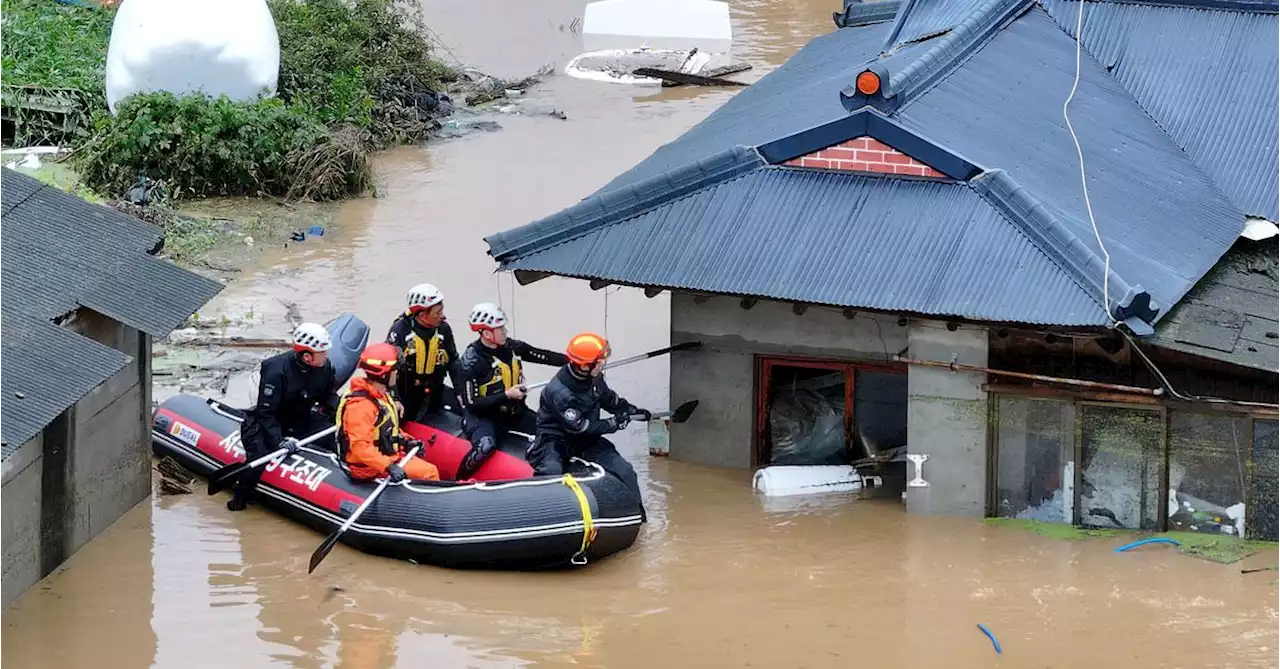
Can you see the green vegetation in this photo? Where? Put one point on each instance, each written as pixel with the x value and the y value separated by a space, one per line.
pixel 1063 531
pixel 1215 547
pixel 54 59
pixel 366 64
pixel 355 75
pixel 200 147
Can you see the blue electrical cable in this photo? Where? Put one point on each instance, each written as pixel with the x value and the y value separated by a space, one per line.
pixel 990 636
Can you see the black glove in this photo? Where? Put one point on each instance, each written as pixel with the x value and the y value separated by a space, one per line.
pixel 290 445
pixel 643 414
pixel 408 442
pixel 395 473
pixel 622 420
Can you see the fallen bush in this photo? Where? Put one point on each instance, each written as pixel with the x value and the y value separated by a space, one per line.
pixel 197 146
pixel 363 63
pixel 355 75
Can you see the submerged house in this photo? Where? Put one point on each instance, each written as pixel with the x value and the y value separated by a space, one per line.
pixel 83 298
pixel 886 247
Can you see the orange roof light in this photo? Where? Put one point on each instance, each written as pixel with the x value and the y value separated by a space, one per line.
pixel 868 82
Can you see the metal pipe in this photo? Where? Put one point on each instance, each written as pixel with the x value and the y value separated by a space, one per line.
pixel 955 366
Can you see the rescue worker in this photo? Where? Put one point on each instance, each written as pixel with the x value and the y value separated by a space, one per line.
pixel 493 390
pixel 427 353
pixel 292 385
pixel 370 442
pixel 569 422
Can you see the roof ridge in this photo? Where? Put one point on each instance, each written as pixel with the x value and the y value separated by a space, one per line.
pixel 1260 6
pixel 948 52
pixel 624 202
pixel 859 13
pixel 1068 251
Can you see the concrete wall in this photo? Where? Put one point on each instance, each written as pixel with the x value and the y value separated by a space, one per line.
pixel 85 470
pixel 947 420
pixel 722 374
pixel 20 522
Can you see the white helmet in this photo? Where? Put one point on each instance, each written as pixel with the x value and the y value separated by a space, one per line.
pixel 311 337
pixel 487 316
pixel 424 296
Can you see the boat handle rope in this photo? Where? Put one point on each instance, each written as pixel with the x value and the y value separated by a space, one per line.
pixel 588 524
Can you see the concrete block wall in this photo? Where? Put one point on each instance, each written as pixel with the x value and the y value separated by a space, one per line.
pixel 84 471
pixel 722 374
pixel 20 497
pixel 947 415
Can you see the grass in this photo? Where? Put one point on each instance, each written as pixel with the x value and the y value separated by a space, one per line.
pixel 1062 531
pixel 1215 547
pixel 51 45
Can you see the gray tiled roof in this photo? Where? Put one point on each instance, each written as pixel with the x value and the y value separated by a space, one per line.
pixel 61 253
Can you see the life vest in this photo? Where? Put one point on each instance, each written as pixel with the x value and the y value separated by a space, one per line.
pixel 388 424
pixel 504 376
pixel 426 354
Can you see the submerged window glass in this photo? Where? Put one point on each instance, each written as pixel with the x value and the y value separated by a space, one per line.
pixel 1035 441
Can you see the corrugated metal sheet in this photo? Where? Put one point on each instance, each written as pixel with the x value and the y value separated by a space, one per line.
pixel 1210 78
pixel 61 252
pixel 803 93
pixel 933 17
pixel 837 239
pixel 45 370
pixel 1164 221
pixel 859 13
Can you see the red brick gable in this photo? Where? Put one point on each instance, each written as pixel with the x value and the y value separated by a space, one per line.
pixel 865 154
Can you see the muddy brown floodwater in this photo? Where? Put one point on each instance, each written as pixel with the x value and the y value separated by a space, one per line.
pixel 717 579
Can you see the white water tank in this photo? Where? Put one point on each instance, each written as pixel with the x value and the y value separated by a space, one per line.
pixel 220 47
pixel 777 480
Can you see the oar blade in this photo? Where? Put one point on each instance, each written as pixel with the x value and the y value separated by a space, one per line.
pixel 318 556
pixel 682 412
pixel 220 479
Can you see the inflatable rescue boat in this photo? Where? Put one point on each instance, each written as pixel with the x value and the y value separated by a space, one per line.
pixel 506 519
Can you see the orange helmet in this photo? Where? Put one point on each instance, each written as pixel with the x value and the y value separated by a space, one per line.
pixel 379 359
pixel 587 349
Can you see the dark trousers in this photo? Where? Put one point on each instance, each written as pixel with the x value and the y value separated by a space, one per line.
pixel 419 403
pixel 254 440
pixel 550 457
pixel 486 434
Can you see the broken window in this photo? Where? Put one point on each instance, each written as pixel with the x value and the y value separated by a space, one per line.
pixel 1035 444
pixel 1260 521
pixel 807 416
pixel 814 412
pixel 1208 472
pixel 1120 460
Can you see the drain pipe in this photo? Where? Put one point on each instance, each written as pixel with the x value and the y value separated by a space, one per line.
pixel 955 366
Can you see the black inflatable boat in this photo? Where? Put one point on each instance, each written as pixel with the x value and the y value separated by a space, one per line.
pixel 527 523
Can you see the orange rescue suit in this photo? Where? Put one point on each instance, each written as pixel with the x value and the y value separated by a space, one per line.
pixel 368 427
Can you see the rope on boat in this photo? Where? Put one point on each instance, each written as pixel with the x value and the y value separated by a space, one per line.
pixel 588 524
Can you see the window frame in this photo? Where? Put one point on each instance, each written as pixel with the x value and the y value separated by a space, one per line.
pixel 761 449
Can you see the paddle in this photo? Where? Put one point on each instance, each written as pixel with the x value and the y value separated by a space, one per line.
pixel 680 415
pixel 332 540
pixel 223 477
pixel 687 346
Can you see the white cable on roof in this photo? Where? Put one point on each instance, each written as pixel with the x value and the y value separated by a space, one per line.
pixel 1106 274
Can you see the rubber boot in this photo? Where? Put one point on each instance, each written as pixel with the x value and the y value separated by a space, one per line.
pixel 239 500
